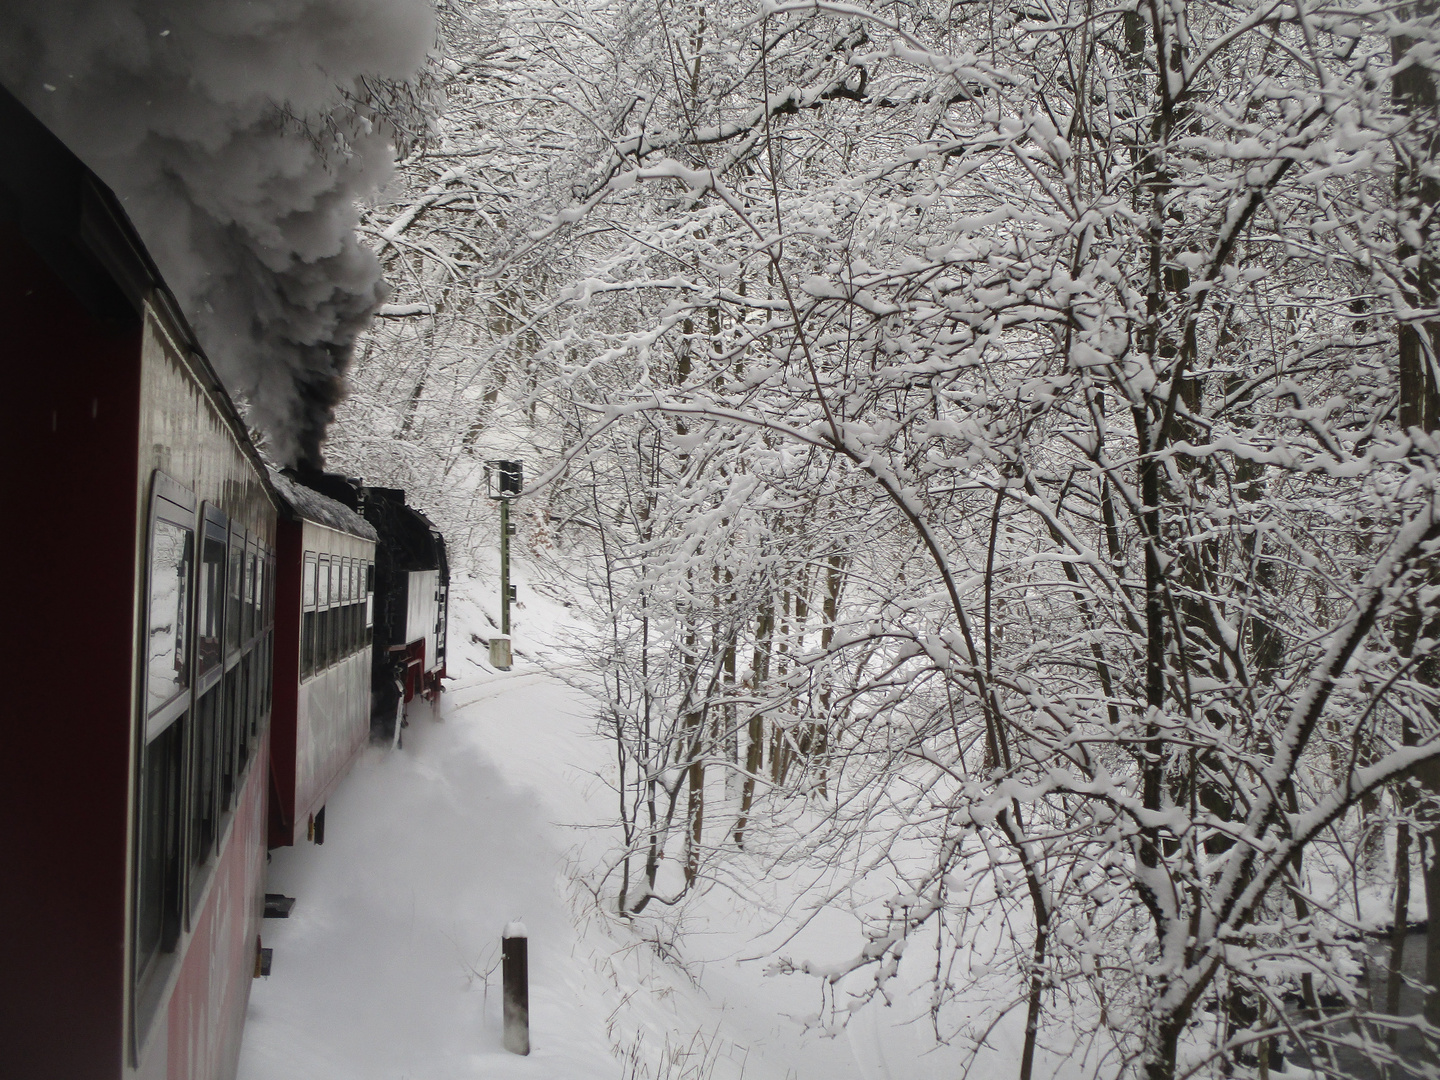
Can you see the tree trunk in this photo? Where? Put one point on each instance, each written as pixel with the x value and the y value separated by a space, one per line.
pixel 760 673
pixel 1417 196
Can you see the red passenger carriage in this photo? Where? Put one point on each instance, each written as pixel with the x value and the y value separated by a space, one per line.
pixel 169 715
pixel 139 542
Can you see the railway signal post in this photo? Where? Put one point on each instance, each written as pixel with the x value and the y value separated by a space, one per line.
pixel 503 482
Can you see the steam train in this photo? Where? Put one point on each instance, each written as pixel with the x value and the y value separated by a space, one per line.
pixel 200 646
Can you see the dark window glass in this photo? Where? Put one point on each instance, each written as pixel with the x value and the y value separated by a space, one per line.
pixel 322 602
pixel 211 610
pixel 308 585
pixel 342 619
pixel 171 555
pixel 204 768
pixel 256 588
pixel 307 644
pixel 257 695
pixel 333 639
pixel 308 620
pixel 369 595
pixel 244 714
pixel 233 594
pixel 157 899
pixel 355 608
pixel 228 723
pixel 247 589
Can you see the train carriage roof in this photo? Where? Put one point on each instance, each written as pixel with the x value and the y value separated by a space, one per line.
pixel 305 502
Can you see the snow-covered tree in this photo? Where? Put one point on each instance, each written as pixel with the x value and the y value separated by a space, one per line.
pixel 1018 418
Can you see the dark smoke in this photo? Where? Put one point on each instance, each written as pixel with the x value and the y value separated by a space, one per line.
pixel 236 135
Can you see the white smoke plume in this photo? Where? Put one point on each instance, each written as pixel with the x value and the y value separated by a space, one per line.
pixel 231 132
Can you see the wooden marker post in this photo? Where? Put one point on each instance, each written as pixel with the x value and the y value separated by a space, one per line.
pixel 515 978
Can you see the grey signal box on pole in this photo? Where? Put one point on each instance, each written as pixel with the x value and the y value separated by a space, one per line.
pixel 504 480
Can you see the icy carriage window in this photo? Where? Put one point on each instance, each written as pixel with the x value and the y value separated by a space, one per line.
pixel 171 553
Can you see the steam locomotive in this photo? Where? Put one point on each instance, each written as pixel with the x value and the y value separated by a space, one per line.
pixel 200 646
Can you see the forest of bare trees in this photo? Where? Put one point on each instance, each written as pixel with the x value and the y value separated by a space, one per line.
pixel 997 444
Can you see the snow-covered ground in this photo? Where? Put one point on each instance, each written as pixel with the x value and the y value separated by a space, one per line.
pixel 387 965
pixel 493 810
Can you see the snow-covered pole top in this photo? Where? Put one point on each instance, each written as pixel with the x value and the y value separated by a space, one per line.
pixel 515 929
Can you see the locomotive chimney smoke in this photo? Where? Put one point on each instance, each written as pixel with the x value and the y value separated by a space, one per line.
pixel 235 136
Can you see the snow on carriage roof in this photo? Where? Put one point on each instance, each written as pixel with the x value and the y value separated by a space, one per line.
pixel 321 509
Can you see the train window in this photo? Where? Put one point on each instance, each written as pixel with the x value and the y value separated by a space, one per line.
pixel 337 601
pixel 267 642
pixel 159 800
pixel 257 689
pixel 257 666
pixel 337 596
pixel 369 595
pixel 204 765
pixel 257 696
pixel 322 602
pixel 172 553
pixel 251 589
pixel 257 589
pixel 244 710
pixel 225 747
pixel 210 609
pixel 322 636
pixel 349 606
pixel 307 619
pixel 338 569
pixel 323 618
pixel 358 611
pixel 234 592
pixel 247 587
pixel 157 892
pixel 308 584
